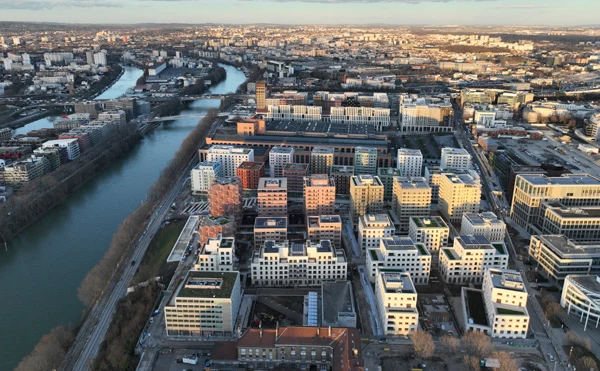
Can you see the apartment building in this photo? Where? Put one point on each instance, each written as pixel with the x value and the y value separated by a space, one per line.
pixel 202 176
pixel 372 228
pixel 272 197
pixel 396 299
pixel 18 174
pixel 531 190
pixel 468 259
pixel 212 226
pixel 581 297
pixel 387 175
pixel 229 157
pixel 342 176
pixel 425 115
pixel 270 229
pixel 71 145
pixel 484 224
pixel 278 158
pixel 293 264
pixel 499 309
pixel 294 113
pixel 400 252
pixel 261 96
pixel 319 195
pixel 217 255
pixel 459 194
pixel 204 303
pixel 411 197
pixel 325 227
pixel 455 159
pixel 365 161
pixel 366 196
pixel 578 223
pixel 432 232
pixel 558 256
pixel 225 198
pixel 409 162
pixel 378 117
pixel 249 173
pixel 295 174
pixel 321 160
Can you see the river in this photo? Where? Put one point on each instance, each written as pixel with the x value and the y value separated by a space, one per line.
pixel 40 272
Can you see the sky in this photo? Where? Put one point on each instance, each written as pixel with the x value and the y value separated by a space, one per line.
pixel 440 12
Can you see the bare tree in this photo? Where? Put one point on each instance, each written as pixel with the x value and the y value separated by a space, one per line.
pixel 552 310
pixel 423 343
pixel 588 363
pixel 478 344
pixel 49 351
pixel 471 363
pixel 507 362
pixel 450 343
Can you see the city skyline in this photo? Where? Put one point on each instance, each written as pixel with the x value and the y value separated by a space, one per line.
pixel 389 12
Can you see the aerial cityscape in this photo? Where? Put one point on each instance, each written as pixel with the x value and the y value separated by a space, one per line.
pixel 308 185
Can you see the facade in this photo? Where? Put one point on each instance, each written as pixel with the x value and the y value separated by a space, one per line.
pixel 278 158
pixel 372 228
pixel 230 157
pixel 558 256
pixel 569 189
pixel 366 196
pixel 20 173
pixel 378 117
pixel 203 175
pixel 261 96
pixel 400 253
pixel 468 259
pixel 225 198
pixel 205 303
pixel 425 115
pixel 484 224
pixel 319 195
pixel 455 159
pixel 325 227
pixel 577 223
pixel 409 162
pixel 217 255
pixel 365 161
pixel 272 197
pixel 321 160
pixel 411 198
pixel 71 145
pixel 459 194
pixel 293 264
pixel 270 229
pixel 212 226
pixel 581 298
pixel 294 113
pixel 432 232
pixel 249 173
pixel 387 175
pixel 342 176
pixel 295 174
pixel 396 299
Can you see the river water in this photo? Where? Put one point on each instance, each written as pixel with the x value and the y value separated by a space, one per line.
pixel 40 272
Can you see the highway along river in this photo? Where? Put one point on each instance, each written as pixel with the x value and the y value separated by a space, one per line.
pixel 40 272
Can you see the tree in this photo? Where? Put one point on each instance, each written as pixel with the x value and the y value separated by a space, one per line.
pixel 423 343
pixel 552 310
pixel 588 363
pixel 471 363
pixel 49 351
pixel 507 362
pixel 450 343
pixel 478 344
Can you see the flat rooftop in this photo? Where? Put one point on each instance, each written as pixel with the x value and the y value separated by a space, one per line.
pixel 388 171
pixel 270 222
pixel 366 180
pixel 375 220
pixel 342 169
pixel 398 243
pixel 412 183
pixel 395 281
pixel 507 279
pixel 566 179
pixel 251 165
pixel 458 178
pixel 272 183
pixel 319 127
pixel 316 221
pixel 486 218
pixel 575 212
pixel 322 150
pixel 591 282
pixel 475 306
pixel 295 166
pixel 284 150
pixel 301 141
pixel 430 222
pixel 337 298
pixel 409 152
pixel 474 242
pixel 564 246
pixel 207 285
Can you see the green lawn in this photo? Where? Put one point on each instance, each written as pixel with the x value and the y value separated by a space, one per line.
pixel 508 311
pixel 449 254
pixel 499 247
pixel 154 262
pixel 373 255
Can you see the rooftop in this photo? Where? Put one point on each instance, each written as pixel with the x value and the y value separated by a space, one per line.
pixel 272 183
pixel 409 152
pixel 270 222
pixel 279 149
pixel 507 279
pixel 388 171
pixel 337 297
pixel 320 128
pixel 343 169
pixel 430 222
pixel 375 220
pixel 458 178
pixel 397 282
pixel 251 165
pixel 474 242
pixel 486 218
pixel 573 212
pixel 207 285
pixel 295 166
pixel 322 150
pixel 319 180
pixel 565 179
pixel 563 246
pixel 316 221
pixel 475 306
pixel 365 180
pixel 396 243
pixel 412 183
pixel 211 164
pixel 589 282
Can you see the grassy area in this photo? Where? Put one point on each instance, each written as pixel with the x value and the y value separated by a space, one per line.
pixel 499 247
pixel 373 255
pixel 449 254
pixel 422 250
pixel 508 311
pixel 154 262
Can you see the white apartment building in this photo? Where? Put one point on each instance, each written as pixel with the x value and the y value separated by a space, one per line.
pixel 558 256
pixel 400 253
pixel 418 114
pixel 203 175
pixel 485 115
pixel 396 302
pixel 217 255
pixel 293 264
pixel 71 145
pixel 378 117
pixel 459 194
pixel 270 229
pixel 531 190
pixel 366 196
pixel 484 224
pixel 372 228
pixel 454 159
pixel 294 113
pixel 319 195
pixel 581 297
pixel 205 303
pixel 432 232
pixel 229 157
pixel 410 162
pixel 365 161
pixel 278 158
pixel 499 309
pixel 325 227
pixel 272 197
pixel 468 259
pixel 411 197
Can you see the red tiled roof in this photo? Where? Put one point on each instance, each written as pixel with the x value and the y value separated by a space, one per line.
pixel 225 351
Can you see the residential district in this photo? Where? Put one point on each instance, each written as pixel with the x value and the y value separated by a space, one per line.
pixel 364 187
